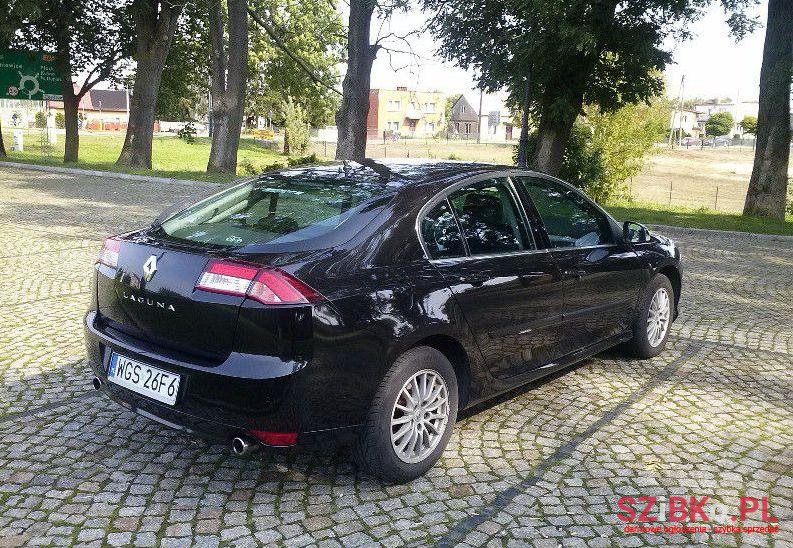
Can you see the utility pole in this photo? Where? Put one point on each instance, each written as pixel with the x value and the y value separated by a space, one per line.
pixel 680 134
pixel 479 120
pixel 523 143
pixel 675 114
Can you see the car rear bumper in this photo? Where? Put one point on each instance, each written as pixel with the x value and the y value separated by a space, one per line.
pixel 219 402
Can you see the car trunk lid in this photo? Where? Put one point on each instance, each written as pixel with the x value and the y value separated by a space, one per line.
pixel 151 295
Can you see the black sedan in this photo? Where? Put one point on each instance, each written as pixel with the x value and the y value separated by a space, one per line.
pixel 368 302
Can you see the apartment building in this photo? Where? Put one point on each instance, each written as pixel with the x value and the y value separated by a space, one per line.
pixel 407 112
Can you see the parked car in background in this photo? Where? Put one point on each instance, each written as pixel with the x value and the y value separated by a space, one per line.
pixel 691 141
pixel 369 302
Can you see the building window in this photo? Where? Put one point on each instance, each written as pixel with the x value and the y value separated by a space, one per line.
pixel 394 106
pixel 393 126
pixel 429 127
pixel 468 127
pixel 429 107
pixel 462 108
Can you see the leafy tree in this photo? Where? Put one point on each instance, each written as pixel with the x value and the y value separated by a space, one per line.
pixel 608 148
pixel 769 181
pixel 312 32
pixel 155 24
pixel 622 139
pixel 89 38
pixel 447 111
pixel 296 135
pixel 576 52
pixel 749 124
pixel 719 124
pixel 185 78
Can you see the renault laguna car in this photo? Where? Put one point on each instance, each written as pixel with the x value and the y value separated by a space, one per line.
pixel 368 302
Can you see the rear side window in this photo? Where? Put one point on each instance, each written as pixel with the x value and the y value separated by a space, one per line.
pixel 569 219
pixel 440 233
pixel 275 209
pixel 489 218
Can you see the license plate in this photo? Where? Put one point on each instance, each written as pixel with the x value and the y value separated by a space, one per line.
pixel 143 378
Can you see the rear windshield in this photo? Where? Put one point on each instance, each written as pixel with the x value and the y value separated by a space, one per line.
pixel 274 209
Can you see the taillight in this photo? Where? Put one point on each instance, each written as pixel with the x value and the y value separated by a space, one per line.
pixel 266 285
pixel 109 254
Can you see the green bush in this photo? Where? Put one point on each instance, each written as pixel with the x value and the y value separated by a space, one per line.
pixel 302 160
pixel 60 120
pixel 606 149
pixel 187 132
pixel 296 130
pixel 41 120
pixel 719 124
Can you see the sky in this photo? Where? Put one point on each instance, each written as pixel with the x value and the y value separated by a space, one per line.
pixel 713 63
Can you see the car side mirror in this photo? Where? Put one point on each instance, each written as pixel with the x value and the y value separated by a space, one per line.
pixel 635 233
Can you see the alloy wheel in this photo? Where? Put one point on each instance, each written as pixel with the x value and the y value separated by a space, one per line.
pixel 658 317
pixel 420 416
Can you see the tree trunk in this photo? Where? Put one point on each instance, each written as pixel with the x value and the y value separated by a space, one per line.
pixel 564 95
pixel 154 38
pixel 553 135
pixel 523 144
pixel 768 184
pixel 229 77
pixel 71 100
pixel 354 108
pixel 3 153
pixel 71 123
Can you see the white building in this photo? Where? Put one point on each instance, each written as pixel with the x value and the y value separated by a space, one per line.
pixel 737 109
pixel 685 120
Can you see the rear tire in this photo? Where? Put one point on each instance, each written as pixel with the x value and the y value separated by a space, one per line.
pixel 654 319
pixel 411 418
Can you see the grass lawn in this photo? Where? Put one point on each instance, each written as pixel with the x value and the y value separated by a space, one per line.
pixel 693 174
pixel 171 157
pixel 662 214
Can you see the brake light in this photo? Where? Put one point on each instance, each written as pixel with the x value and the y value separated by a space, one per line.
pixel 265 285
pixel 109 253
pixel 277 439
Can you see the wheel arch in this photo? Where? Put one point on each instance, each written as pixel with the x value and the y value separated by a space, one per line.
pixel 673 273
pixel 455 352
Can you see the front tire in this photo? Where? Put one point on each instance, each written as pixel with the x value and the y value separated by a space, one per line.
pixel 651 329
pixel 411 418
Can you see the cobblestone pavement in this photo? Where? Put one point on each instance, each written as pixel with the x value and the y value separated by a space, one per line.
pixel 546 466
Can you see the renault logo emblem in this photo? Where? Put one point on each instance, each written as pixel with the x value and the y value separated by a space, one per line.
pixel 149 268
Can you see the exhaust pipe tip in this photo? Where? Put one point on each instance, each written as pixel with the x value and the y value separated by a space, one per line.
pixel 97 382
pixel 243 445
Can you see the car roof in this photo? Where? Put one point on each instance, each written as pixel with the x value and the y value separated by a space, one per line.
pixel 393 171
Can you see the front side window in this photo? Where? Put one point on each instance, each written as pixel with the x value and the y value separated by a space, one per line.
pixel 440 233
pixel 273 209
pixel 569 219
pixel 489 217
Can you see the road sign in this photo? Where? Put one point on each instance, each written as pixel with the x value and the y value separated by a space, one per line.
pixel 29 75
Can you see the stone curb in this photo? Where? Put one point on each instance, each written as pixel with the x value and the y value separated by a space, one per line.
pixel 112 174
pixel 713 231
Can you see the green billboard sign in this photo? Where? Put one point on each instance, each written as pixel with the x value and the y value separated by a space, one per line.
pixel 29 75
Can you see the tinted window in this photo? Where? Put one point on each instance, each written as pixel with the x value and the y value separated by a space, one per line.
pixel 569 219
pixel 489 218
pixel 275 209
pixel 440 233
